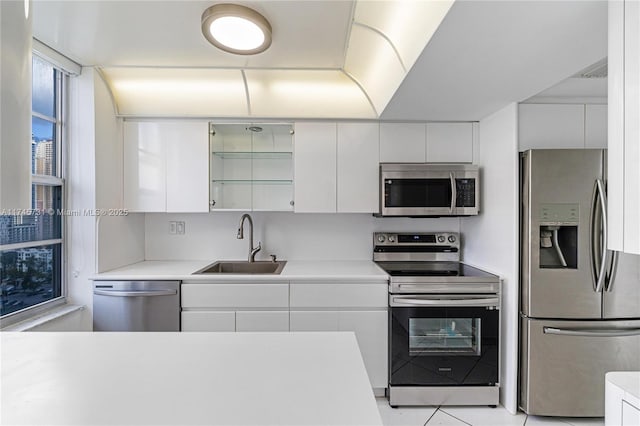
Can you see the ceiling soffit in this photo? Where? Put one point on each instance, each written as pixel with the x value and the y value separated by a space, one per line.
pixel 385 40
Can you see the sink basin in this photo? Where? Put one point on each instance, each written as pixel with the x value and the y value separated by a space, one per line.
pixel 243 267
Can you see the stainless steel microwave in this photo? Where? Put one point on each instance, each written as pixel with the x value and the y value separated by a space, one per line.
pixel 418 189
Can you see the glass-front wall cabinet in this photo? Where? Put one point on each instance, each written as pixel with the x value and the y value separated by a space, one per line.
pixel 251 166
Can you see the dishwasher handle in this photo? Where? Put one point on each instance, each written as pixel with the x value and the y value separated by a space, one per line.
pixel 135 293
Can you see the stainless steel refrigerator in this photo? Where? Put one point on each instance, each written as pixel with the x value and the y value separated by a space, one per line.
pixel 580 304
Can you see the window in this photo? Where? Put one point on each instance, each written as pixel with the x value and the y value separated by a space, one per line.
pixel 32 241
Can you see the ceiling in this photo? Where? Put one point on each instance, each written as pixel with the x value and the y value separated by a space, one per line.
pixel 332 59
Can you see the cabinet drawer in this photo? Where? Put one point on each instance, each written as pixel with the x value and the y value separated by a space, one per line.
pixel 235 295
pixel 262 321
pixel 339 295
pixel 208 321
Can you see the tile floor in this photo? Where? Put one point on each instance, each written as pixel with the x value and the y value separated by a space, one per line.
pixel 470 416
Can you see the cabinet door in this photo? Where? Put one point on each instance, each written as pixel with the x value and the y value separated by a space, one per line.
pixel 624 126
pixel 207 321
pixel 402 143
pixel 550 126
pixel 262 321
pixel 357 168
pixel 144 167
pixel 263 295
pixel 315 167
pixel 595 131
pixel 314 321
pixel 187 155
pixel 339 295
pixel 371 332
pixel 449 142
pixel 631 126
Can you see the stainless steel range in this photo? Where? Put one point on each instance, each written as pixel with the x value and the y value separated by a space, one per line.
pixel 444 322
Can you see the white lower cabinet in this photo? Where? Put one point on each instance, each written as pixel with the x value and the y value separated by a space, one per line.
pixel 370 328
pixel 208 321
pixel 361 308
pixel 262 320
pixel 295 306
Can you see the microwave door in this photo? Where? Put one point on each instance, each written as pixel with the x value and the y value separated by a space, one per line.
pixel 418 196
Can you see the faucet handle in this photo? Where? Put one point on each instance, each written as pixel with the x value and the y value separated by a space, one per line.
pixel 273 257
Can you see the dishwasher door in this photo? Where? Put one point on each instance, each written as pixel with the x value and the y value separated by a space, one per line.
pixel 136 306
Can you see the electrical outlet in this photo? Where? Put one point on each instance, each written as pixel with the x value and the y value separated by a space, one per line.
pixel 173 227
pixel 180 228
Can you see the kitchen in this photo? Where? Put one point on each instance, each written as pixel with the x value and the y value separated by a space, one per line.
pixel 483 99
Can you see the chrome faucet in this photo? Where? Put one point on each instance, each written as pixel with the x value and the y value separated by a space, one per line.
pixel 252 250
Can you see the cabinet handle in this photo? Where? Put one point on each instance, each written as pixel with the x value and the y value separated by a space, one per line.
pixel 291 203
pixel 212 202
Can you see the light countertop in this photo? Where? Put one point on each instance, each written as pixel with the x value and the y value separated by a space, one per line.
pixel 628 382
pixel 294 270
pixel 184 379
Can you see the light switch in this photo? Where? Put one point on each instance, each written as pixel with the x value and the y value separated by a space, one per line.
pixel 180 228
pixel 173 227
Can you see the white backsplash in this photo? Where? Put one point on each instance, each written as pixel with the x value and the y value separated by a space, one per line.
pixel 291 236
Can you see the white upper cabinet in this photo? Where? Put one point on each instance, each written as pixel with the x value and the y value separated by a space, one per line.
pixel 549 126
pixel 430 143
pixel 336 167
pixel 358 167
pixel 624 126
pixel 595 126
pixel 165 165
pixel 315 167
pixel 187 167
pixel 449 143
pixel 145 185
pixel 402 142
pixel 251 166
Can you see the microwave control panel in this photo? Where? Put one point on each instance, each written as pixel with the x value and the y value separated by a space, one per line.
pixel 465 192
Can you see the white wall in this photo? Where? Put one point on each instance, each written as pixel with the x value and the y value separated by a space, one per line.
pixel 492 238
pixel 291 236
pixel 120 239
pixel 80 230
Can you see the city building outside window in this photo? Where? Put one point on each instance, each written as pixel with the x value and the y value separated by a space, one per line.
pixel 32 241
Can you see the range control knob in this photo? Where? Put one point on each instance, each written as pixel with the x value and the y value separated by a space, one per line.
pixel 441 238
pixel 452 239
pixel 392 238
pixel 381 238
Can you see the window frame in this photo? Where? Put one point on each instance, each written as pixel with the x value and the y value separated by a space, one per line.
pixel 59 180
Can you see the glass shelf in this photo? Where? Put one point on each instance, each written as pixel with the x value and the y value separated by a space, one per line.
pixel 253 154
pixel 253 182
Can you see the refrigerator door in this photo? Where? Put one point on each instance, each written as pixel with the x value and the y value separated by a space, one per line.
pixel 559 207
pixel 621 298
pixel 564 363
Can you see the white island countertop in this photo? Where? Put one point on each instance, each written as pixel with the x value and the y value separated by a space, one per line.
pixel 294 270
pixel 184 379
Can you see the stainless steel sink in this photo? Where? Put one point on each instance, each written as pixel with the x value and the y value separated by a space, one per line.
pixel 243 267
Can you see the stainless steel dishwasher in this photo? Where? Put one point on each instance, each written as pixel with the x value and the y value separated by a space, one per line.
pixel 136 306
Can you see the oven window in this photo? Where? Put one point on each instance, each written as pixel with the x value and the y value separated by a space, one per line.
pixel 417 193
pixel 444 336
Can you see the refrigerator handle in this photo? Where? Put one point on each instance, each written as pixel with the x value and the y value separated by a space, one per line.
pixel 611 275
pixel 592 332
pixel 602 275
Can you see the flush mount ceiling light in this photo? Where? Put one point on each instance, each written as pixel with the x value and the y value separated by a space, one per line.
pixel 236 29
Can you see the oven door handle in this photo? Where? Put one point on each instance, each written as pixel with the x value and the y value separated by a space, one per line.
pixel 470 302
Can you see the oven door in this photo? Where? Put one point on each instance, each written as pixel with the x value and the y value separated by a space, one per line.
pixel 443 340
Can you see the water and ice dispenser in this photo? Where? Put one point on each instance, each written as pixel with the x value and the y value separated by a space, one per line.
pixel 559 236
